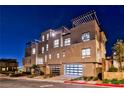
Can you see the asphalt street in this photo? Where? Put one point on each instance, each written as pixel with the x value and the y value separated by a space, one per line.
pixel 12 83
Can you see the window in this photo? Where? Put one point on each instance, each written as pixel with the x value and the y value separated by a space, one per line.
pixel 56 43
pixel 86 52
pixel 49 56
pixel 39 60
pixel 42 50
pixel 47 47
pixel 67 42
pixel 33 50
pixel 63 54
pixel 47 36
pixel 58 55
pixel 45 58
pixel 43 38
pixel 3 69
pixel 86 36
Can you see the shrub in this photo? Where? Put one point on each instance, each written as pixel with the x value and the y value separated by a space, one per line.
pixel 89 78
pixel 115 81
pixel 121 81
pixel 113 69
pixel 106 81
pixel 95 78
pixel 85 78
pixel 78 78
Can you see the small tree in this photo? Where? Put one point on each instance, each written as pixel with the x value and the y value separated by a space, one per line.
pixel 118 51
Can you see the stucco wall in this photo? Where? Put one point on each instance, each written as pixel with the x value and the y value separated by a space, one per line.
pixel 114 75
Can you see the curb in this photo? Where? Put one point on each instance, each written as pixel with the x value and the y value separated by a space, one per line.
pixel 100 85
pixel 37 80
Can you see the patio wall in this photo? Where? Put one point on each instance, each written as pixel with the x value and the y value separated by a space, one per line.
pixel 114 75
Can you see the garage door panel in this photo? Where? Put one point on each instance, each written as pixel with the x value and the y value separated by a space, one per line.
pixel 73 69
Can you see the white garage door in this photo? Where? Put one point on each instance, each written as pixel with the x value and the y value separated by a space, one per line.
pixel 73 69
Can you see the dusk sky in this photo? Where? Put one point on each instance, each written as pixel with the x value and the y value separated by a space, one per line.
pixel 20 24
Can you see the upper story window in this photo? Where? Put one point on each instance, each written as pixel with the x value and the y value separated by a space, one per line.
pixel 86 36
pixel 50 56
pixel 67 41
pixel 43 37
pixel 47 36
pixel 56 43
pixel 42 50
pixel 86 52
pixel 47 47
pixel 33 51
pixel 58 55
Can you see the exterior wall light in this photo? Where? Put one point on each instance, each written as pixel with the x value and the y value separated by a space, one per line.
pixel 53 34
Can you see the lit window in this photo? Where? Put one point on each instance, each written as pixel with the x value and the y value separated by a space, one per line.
pixel 47 36
pixel 86 36
pixel 47 47
pixel 67 42
pixel 42 50
pixel 63 54
pixel 86 52
pixel 56 43
pixel 58 55
pixel 49 56
pixel 39 60
pixel 45 58
pixel 33 50
pixel 43 38
pixel 3 69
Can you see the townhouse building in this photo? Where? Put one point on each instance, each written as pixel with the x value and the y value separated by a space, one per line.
pixel 8 65
pixel 71 52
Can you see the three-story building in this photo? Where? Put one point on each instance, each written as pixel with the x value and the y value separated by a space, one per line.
pixel 71 52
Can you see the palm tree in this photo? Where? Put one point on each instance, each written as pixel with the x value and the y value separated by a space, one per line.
pixel 118 51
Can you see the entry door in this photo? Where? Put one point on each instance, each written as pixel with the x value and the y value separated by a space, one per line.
pixel 73 69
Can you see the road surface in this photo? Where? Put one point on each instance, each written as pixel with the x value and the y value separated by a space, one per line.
pixel 13 83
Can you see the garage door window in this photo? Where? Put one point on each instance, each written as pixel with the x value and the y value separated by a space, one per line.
pixel 73 69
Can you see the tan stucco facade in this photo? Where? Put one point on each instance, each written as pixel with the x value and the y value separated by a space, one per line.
pixel 72 52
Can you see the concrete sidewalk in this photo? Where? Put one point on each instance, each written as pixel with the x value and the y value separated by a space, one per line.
pixel 36 79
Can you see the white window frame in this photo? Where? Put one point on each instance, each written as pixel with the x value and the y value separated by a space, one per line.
pixel 85 36
pixel 42 50
pixel 58 55
pixel 47 47
pixel 86 52
pixel 43 38
pixel 33 50
pixel 47 36
pixel 56 43
pixel 67 42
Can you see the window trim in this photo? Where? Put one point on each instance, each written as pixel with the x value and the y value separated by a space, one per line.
pixel 56 43
pixel 47 36
pixel 85 39
pixel 86 54
pixel 67 41
pixel 42 50
pixel 47 47
pixel 33 51
pixel 43 38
